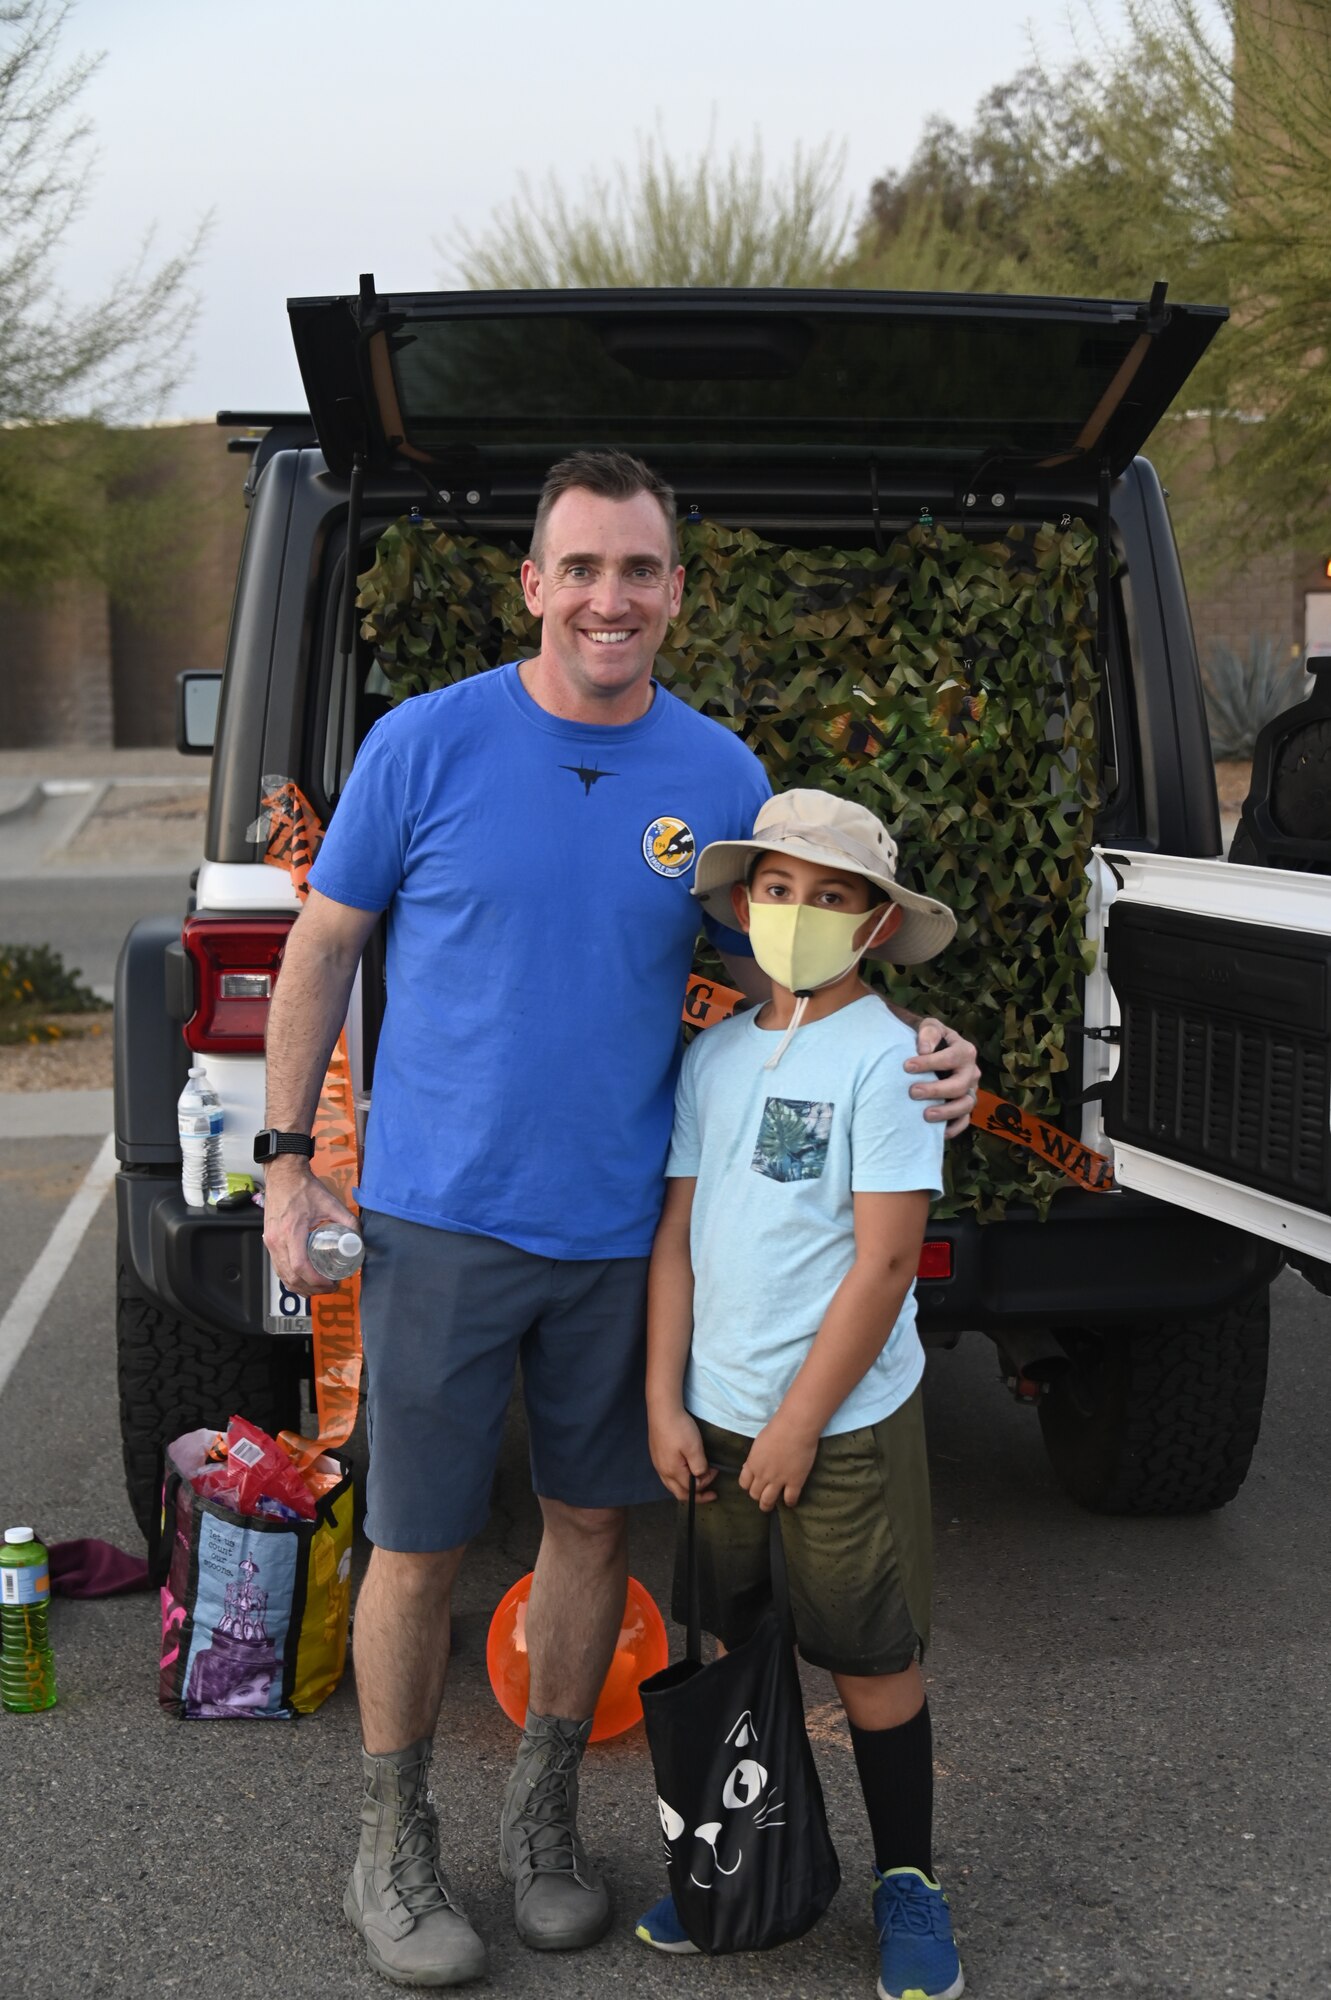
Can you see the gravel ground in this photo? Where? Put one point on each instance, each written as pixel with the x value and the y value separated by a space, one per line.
pixel 80 1060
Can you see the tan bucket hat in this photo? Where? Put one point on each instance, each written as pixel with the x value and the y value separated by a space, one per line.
pixel 818 826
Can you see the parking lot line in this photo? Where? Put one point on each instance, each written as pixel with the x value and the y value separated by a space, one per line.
pixel 36 1291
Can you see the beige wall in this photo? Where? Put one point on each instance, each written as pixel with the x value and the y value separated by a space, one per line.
pixel 81 668
pixel 55 670
pixel 183 623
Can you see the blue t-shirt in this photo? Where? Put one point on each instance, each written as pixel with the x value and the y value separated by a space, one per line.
pixel 536 874
pixel 778 1155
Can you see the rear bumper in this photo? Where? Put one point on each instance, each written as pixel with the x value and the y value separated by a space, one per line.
pixel 205 1265
pixel 1098 1259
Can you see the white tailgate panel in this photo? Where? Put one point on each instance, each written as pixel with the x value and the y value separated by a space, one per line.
pixel 1276 897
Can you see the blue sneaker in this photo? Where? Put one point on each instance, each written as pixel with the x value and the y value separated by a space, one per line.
pixel 660 1927
pixel 918 1960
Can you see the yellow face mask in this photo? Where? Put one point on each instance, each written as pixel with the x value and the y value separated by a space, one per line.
pixel 802 947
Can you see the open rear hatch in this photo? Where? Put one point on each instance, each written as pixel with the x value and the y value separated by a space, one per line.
pixel 935 394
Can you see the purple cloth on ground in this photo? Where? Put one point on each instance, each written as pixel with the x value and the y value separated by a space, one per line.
pixel 90 1568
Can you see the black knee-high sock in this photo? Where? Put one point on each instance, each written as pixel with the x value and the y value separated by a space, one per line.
pixel 896 1768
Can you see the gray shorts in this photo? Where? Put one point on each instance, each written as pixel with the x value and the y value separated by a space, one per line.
pixel 445 1321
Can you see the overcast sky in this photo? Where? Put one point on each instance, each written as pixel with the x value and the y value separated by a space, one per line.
pixel 327 138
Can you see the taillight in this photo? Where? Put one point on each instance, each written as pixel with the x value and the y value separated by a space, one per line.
pixel 935 1260
pixel 235 962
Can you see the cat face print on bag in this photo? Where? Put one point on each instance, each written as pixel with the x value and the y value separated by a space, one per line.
pixel 749 1804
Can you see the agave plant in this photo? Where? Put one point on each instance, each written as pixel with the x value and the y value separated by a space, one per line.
pixel 1245 690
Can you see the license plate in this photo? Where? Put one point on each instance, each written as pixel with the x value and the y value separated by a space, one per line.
pixel 288 1311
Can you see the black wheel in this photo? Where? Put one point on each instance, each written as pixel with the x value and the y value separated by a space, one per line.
pixel 175 1376
pixel 1159 1419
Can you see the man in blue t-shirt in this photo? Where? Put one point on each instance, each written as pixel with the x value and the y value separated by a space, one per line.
pixel 531 833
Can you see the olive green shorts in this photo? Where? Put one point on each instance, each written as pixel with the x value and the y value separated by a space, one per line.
pixel 858 1548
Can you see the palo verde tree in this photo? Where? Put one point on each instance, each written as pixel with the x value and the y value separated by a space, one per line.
pixel 1198 149
pixel 69 373
pixel 719 220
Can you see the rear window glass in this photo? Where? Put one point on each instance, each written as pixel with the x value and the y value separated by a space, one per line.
pixel 902 383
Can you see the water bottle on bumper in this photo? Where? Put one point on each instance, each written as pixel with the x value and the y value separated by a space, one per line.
pixel 199 1121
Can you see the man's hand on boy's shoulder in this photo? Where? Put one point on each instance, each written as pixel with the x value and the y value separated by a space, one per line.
pixel 950 1093
pixel 780 1460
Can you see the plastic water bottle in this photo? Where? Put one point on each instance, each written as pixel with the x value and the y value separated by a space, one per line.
pixel 199 1117
pixel 334 1252
pixel 27 1664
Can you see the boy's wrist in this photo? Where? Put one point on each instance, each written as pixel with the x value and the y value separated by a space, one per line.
pixel 796 1427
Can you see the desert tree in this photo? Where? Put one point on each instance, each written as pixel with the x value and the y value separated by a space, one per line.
pixel 72 375
pixel 721 218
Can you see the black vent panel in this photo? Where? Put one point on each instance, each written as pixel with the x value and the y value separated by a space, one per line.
pixel 1226 1049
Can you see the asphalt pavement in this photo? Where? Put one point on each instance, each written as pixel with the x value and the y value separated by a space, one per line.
pixel 1131 1723
pixel 1131 1717
pixel 91 841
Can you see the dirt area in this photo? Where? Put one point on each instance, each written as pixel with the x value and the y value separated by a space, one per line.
pixel 165 820
pixel 80 1060
pixel 1232 779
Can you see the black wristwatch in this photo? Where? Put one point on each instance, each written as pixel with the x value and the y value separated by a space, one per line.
pixel 268 1144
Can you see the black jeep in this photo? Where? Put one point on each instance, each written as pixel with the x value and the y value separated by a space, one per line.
pixel 819 421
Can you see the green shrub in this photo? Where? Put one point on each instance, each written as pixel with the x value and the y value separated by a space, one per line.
pixel 34 975
pixel 948 684
pixel 33 984
pixel 1245 691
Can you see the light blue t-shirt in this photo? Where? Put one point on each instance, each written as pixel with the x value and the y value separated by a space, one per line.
pixel 777 1155
pixel 536 874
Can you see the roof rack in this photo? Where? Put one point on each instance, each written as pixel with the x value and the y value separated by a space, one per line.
pixel 266 420
pixel 267 432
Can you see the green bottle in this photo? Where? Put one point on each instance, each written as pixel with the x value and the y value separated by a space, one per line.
pixel 27 1664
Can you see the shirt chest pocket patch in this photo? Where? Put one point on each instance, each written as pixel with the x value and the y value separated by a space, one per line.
pixel 792 1139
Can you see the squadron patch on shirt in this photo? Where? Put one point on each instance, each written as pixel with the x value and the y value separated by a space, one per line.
pixel 668 846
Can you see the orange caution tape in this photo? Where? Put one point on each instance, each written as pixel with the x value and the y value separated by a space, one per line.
pixel 294 832
pixel 1050 1143
pixel 706 1002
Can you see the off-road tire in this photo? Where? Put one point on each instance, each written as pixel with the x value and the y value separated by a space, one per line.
pixel 1159 1419
pixel 175 1376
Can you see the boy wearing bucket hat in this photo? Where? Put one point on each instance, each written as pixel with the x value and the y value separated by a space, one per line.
pixel 783 1362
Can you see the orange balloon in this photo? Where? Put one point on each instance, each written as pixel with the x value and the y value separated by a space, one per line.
pixel 641 1649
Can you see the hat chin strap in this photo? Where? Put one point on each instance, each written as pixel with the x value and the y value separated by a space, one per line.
pixel 802 999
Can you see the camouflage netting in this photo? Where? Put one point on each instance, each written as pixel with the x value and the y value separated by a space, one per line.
pixel 948 684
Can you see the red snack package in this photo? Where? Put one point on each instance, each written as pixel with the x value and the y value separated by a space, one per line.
pixel 256 1466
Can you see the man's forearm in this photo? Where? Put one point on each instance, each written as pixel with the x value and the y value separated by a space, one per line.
pixel 308 1009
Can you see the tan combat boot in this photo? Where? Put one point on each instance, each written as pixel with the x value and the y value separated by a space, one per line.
pixel 398 1896
pixel 560 1902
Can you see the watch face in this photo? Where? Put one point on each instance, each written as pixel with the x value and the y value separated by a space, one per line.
pixel 269 1144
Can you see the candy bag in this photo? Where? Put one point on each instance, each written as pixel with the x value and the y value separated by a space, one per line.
pixel 255 1467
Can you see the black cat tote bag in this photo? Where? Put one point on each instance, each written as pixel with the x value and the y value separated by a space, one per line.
pixel 749 1856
